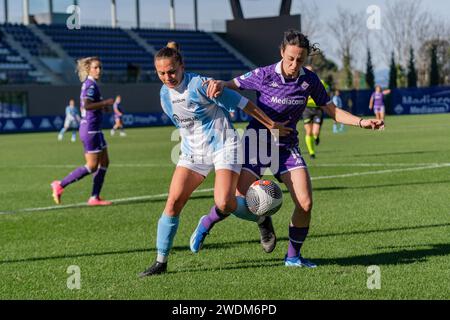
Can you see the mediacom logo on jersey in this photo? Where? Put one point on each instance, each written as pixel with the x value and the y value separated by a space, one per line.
pixel 287 101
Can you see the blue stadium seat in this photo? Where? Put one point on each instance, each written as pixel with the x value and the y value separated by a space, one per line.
pixel 202 53
pixel 28 40
pixel 13 67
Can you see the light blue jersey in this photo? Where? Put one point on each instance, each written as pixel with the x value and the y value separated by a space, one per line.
pixel 72 114
pixel 338 102
pixel 204 123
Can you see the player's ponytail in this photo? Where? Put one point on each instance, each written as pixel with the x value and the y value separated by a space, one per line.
pixel 83 67
pixel 173 45
pixel 171 50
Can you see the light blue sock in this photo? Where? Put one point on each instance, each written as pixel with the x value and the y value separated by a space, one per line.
pixel 242 211
pixel 167 228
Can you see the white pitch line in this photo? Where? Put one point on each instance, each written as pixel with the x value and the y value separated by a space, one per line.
pixel 84 204
pixel 155 165
pixel 434 166
pixel 332 165
pixel 71 166
pixel 150 197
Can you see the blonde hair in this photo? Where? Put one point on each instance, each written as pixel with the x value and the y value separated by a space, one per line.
pixel 84 65
pixel 173 45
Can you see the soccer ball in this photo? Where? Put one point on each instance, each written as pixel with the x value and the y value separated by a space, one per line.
pixel 264 198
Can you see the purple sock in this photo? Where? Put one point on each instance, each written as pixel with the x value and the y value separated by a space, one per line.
pixel 296 238
pixel 212 218
pixel 99 178
pixel 74 176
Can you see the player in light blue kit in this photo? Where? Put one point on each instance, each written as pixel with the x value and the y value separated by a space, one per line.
pixel 72 121
pixel 337 100
pixel 209 141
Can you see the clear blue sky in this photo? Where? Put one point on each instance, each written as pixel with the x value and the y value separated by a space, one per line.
pixel 211 13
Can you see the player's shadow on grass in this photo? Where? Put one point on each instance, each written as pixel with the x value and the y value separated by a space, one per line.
pixel 385 258
pixel 236 265
pixel 389 258
pixel 399 257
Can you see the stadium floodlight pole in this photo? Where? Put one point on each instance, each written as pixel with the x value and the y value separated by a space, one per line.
pixel 285 7
pixel 6 10
pixel 195 15
pixel 25 12
pixel 138 15
pixel 172 15
pixel 236 8
pixel 113 14
pixel 50 11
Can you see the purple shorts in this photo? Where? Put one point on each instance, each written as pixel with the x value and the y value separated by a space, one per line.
pixel 378 109
pixel 93 141
pixel 279 161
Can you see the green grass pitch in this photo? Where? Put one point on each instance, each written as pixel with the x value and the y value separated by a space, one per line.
pixel 380 198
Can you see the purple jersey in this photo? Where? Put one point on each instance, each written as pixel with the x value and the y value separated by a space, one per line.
pixel 117 108
pixel 283 99
pixel 91 118
pixel 377 99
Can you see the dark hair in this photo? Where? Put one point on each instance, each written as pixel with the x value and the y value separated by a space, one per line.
pixel 294 37
pixel 171 50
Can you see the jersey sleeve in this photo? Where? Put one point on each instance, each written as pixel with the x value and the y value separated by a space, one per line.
pixel 319 93
pixel 229 100
pixel 90 93
pixel 251 80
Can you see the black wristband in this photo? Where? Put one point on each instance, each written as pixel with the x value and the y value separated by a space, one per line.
pixel 360 120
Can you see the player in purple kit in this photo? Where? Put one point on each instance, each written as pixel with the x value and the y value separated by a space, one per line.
pixel 282 93
pixel 377 102
pixel 118 114
pixel 95 147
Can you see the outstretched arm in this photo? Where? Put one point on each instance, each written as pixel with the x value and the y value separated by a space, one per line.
pixel 89 105
pixel 215 87
pixel 347 118
pixel 254 111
